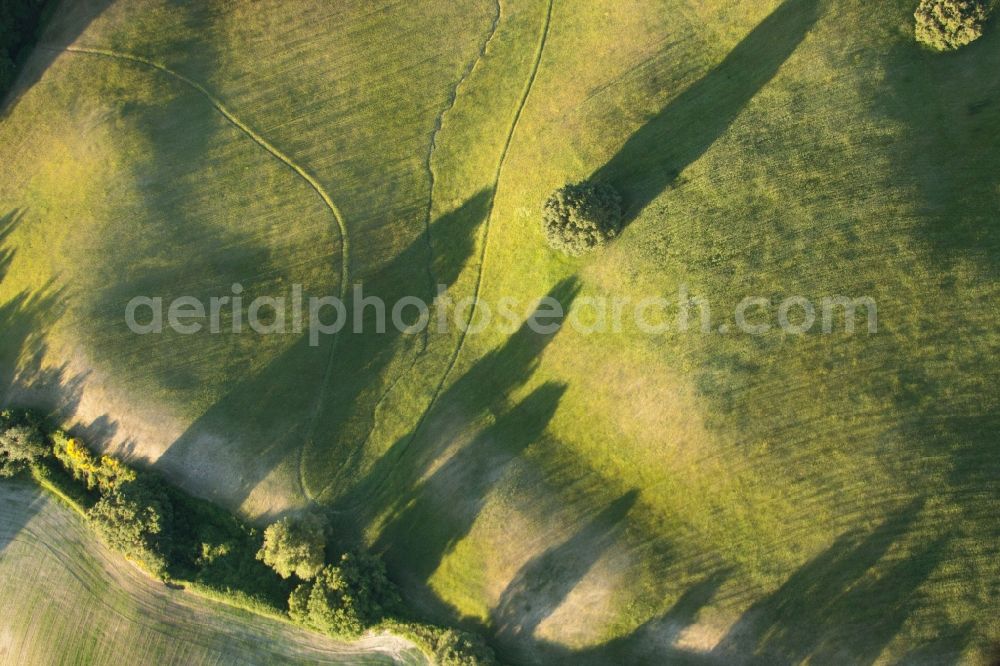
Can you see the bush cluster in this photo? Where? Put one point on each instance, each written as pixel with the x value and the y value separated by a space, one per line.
pixel 353 595
pixel 946 25
pixel 447 647
pixel 461 648
pixel 135 518
pixel 22 443
pixel 345 598
pixel 294 547
pixel 177 537
pixel 580 217
pixel 104 474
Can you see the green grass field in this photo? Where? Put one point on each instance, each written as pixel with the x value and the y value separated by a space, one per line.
pixel 606 498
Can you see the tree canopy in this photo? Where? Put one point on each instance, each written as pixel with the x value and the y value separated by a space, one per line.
pixel 346 597
pixel 946 25
pixel 134 519
pixel 580 217
pixel 21 443
pixel 294 547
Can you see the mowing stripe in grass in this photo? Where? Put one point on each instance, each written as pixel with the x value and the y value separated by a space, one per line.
pixel 438 124
pixel 486 229
pixel 264 143
pixel 297 168
pixel 453 99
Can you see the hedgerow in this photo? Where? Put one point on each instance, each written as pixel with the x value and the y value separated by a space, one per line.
pixel 185 540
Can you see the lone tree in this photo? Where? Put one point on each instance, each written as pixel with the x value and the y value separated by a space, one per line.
pixel 346 598
pixel 294 547
pixel 580 217
pixel 946 25
pixel 21 443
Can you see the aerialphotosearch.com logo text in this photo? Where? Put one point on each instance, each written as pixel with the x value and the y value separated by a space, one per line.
pixel 329 315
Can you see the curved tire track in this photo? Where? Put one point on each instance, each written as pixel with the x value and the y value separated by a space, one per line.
pixel 432 178
pixel 438 125
pixel 483 255
pixel 289 162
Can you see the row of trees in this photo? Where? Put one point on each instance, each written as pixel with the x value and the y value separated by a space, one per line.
pixel 353 593
pixel 177 537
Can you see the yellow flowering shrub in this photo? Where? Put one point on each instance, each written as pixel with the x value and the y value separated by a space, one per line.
pixel 103 473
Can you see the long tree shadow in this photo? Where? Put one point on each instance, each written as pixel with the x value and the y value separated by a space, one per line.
pixel 652 642
pixel 846 605
pixel 13 335
pixel 257 424
pixel 545 582
pixel 25 381
pixel 71 19
pixel 25 319
pixel 950 109
pixel 948 106
pixel 419 516
pixel 441 510
pixel 655 155
pixel 360 374
pixel 255 400
pixel 483 390
pixel 176 246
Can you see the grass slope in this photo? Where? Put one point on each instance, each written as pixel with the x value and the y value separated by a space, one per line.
pixel 587 498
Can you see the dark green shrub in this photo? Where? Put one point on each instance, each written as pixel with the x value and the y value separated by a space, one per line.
pixel 946 25
pixel 134 519
pixel 461 648
pixel 294 547
pixel 211 547
pixel 580 217
pixel 345 598
pixel 21 443
pixel 450 647
pixel 298 604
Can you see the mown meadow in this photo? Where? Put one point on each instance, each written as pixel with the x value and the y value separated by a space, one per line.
pixel 584 498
